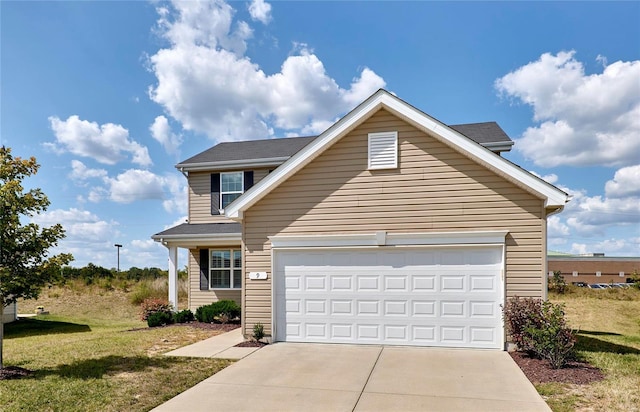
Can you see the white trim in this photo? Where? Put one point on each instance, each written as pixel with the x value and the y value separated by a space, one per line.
pixel 231 164
pixel 553 196
pixel 231 268
pixel 173 277
pixel 392 239
pixel 193 241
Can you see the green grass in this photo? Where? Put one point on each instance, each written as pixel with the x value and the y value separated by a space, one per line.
pixel 609 338
pixel 86 357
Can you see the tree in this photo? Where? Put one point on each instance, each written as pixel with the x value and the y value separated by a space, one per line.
pixel 25 264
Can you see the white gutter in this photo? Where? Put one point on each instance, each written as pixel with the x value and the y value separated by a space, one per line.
pixel 231 164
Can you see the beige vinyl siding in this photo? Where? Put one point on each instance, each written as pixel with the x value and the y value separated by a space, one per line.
pixel 200 196
pixel 434 189
pixel 199 297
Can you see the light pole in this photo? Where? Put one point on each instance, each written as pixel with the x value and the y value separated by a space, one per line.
pixel 118 246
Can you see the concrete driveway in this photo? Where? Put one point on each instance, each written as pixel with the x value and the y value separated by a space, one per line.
pixel 318 377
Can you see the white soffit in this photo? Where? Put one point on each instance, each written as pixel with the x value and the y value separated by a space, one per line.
pixel 553 196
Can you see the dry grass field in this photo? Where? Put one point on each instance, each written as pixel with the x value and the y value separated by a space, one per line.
pixel 92 353
pixel 608 323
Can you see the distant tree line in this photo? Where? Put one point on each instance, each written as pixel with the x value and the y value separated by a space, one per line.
pixel 94 273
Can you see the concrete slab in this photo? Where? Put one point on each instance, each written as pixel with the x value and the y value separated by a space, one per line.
pixel 310 377
pixel 208 396
pixel 235 353
pixel 477 374
pixel 383 402
pixel 331 367
pixel 216 347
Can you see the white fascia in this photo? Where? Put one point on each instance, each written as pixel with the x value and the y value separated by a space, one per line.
pixel 192 241
pixel 492 237
pixel 231 164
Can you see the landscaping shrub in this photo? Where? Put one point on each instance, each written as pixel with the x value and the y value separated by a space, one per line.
pixel 159 319
pixel 554 341
pixel 539 327
pixel 557 283
pixel 184 316
pixel 154 305
pixel 258 331
pixel 221 311
pixel 204 314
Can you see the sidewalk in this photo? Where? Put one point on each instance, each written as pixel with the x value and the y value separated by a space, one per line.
pixel 218 347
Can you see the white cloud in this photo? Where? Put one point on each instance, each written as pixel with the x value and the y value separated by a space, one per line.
pixel 207 84
pixel 105 143
pixel 147 244
pixel 610 247
pixel 135 184
pixel 161 131
pixel 584 119
pixel 592 216
pixel 626 182
pixel 80 225
pixel 260 11
pixel 80 173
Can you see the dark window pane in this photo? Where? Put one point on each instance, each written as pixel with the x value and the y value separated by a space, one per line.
pixel 237 259
pixel 220 259
pixel 220 279
pixel 237 278
pixel 228 198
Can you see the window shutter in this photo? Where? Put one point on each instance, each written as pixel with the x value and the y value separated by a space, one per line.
pixel 248 180
pixel 383 150
pixel 204 269
pixel 215 193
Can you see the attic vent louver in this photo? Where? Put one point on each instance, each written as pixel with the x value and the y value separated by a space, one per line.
pixel 383 150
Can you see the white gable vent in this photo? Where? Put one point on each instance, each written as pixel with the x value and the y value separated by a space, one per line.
pixel 383 150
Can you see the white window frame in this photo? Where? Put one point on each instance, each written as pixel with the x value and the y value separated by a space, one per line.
pixel 231 269
pixel 222 192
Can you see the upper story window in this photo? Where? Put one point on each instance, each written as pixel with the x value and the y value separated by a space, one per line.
pixel 227 187
pixel 231 187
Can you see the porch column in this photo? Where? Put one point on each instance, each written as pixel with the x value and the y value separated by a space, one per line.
pixel 173 276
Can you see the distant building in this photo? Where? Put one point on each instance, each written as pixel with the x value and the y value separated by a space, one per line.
pixel 593 267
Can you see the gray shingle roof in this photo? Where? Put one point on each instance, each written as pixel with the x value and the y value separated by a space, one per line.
pixel 488 132
pixel 482 133
pixel 195 229
pixel 251 149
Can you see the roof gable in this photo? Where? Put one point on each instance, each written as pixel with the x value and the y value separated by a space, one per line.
pixel 273 152
pixel 554 197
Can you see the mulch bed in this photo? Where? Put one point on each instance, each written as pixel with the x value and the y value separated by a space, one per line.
pixel 14 372
pixel 251 344
pixel 540 371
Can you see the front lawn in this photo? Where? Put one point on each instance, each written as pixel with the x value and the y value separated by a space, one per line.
pixel 86 357
pixel 609 338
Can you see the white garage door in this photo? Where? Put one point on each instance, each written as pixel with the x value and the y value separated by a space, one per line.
pixel 446 297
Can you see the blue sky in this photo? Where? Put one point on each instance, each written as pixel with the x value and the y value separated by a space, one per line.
pixel 109 96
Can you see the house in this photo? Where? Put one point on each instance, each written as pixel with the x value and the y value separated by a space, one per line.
pixel 388 228
pixel 10 313
pixel 594 268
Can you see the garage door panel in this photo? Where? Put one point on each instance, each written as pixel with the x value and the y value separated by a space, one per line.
pixel 368 283
pixel 424 307
pixel 423 283
pixel 429 297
